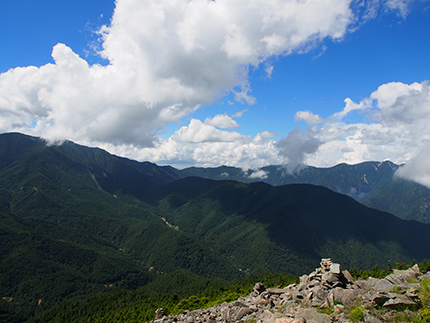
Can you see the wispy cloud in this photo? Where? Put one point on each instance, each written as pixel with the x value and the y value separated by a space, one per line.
pixel 296 146
pixel 259 174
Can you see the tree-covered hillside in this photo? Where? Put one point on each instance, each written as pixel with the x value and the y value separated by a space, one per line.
pixel 289 227
pixel 372 183
pixel 78 221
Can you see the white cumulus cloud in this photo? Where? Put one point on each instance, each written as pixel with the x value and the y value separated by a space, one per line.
pixel 166 58
pixel 307 116
pixel 259 174
pixel 204 145
pixel 222 121
pixel 417 169
pixel 198 131
pixel 396 129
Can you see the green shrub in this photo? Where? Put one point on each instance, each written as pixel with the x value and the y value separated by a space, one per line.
pixel 409 316
pixel 326 310
pixel 425 314
pixel 424 294
pixel 190 303
pixel 396 289
pixel 356 314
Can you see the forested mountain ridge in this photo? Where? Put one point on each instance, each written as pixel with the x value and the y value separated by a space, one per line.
pixel 372 183
pixel 72 223
pixel 115 173
pixel 76 221
pixel 262 226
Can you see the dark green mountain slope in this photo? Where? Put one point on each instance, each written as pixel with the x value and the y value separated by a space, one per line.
pixel 91 190
pixel 14 146
pixel 289 228
pixel 406 198
pixel 42 264
pixel 74 219
pixel 165 249
pixel 371 183
pixel 74 185
pixel 51 263
pixel 92 166
pixel 78 224
pixel 354 180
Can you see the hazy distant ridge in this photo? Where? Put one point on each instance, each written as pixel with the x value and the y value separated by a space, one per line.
pixel 372 183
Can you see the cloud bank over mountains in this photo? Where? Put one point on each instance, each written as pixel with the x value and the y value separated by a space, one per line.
pixel 398 117
pixel 169 58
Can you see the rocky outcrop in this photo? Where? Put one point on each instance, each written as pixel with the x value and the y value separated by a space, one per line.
pixel 326 290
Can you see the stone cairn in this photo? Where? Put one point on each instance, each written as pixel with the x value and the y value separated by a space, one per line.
pixel 326 287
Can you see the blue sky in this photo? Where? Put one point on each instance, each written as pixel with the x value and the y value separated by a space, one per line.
pixel 30 29
pixel 382 50
pixel 207 83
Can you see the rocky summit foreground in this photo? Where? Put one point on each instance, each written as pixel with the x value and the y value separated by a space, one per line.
pixel 326 295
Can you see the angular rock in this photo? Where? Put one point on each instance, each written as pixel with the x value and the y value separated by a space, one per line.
pixel 403 277
pixel 330 278
pixel 261 301
pixel 348 276
pixel 425 276
pixel 284 320
pixel 343 319
pixel 241 313
pixel 369 318
pixel 307 298
pixel 380 298
pixel 277 290
pixel 321 288
pixel 325 264
pixel 383 285
pixel 401 302
pixel 299 320
pixel 319 296
pixel 335 268
pixel 365 285
pixel 345 296
pixel 159 313
pixel 259 288
pixel 304 279
pixel 312 315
